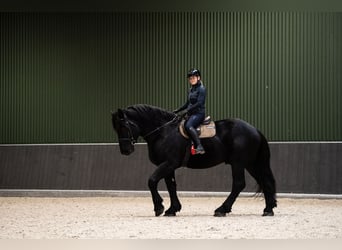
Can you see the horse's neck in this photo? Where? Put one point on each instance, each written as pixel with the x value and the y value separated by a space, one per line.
pixel 151 123
pixel 148 123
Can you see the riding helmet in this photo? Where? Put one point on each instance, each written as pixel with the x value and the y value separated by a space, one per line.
pixel 194 72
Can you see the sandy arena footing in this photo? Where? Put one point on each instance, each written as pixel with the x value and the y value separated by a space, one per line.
pixel 133 218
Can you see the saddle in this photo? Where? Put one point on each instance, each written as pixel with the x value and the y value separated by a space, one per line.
pixel 207 128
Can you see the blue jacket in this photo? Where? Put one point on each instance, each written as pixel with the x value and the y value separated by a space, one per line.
pixel 196 100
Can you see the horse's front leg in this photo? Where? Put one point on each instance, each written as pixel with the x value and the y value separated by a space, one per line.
pixel 175 205
pixel 162 171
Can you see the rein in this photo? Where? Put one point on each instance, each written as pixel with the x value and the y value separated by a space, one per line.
pixel 162 126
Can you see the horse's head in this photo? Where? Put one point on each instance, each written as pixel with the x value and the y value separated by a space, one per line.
pixel 126 130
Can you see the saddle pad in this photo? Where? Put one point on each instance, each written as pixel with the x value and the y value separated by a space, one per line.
pixel 207 131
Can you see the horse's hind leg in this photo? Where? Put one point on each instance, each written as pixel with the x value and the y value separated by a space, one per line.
pixel 262 173
pixel 172 189
pixel 266 183
pixel 238 185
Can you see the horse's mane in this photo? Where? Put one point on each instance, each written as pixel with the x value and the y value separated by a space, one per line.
pixel 151 112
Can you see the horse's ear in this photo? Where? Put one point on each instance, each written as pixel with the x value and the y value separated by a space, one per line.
pixel 121 113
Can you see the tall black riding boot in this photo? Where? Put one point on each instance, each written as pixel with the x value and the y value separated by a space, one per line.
pixel 197 143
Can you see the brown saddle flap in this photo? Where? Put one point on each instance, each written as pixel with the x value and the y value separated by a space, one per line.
pixel 206 130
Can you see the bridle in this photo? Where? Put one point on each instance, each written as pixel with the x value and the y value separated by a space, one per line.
pixel 130 133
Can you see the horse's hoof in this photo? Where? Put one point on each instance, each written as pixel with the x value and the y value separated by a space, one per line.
pixel 268 213
pixel 219 214
pixel 159 212
pixel 170 214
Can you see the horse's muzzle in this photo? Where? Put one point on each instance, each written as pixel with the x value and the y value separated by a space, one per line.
pixel 127 150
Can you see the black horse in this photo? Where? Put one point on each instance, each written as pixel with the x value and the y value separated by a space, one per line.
pixel 236 143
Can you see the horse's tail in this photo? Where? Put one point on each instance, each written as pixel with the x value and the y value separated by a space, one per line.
pixel 264 175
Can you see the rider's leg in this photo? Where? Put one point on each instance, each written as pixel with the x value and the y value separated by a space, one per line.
pixel 193 122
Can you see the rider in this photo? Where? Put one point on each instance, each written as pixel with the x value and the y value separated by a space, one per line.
pixel 195 108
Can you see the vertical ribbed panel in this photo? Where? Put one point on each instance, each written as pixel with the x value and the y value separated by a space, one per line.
pixel 61 74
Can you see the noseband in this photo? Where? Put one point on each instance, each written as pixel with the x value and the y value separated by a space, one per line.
pixel 130 133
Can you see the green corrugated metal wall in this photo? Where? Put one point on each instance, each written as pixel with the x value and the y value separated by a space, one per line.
pixel 62 73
